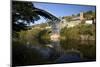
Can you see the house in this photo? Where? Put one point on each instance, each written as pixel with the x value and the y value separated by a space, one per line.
pixel 89 22
pixel 75 20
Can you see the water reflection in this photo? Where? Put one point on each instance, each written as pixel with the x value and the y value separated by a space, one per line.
pixel 54 52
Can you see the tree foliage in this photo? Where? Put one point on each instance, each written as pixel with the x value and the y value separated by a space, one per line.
pixel 89 15
pixel 24 13
pixel 68 18
pixel 75 32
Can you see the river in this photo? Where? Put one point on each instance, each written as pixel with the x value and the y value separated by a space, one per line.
pixel 66 51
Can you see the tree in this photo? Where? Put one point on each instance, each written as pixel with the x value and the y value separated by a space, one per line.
pixel 68 18
pixel 24 13
pixel 90 15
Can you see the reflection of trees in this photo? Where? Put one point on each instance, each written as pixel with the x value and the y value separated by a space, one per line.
pixel 21 55
pixel 87 47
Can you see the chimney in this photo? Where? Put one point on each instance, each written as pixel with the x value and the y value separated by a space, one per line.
pixel 81 16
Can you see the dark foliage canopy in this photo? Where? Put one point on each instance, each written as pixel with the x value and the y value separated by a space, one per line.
pixel 24 13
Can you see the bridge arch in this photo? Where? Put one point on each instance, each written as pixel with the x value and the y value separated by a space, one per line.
pixel 52 20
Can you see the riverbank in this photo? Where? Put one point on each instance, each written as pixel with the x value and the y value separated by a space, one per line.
pixel 79 32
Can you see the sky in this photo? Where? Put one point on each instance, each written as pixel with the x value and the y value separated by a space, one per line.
pixel 60 10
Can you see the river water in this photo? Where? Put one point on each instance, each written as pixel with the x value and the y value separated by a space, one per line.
pixel 53 52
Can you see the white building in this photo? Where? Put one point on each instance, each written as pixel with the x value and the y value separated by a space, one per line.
pixel 89 21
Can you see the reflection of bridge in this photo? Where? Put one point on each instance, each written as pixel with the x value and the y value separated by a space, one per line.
pixel 54 49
